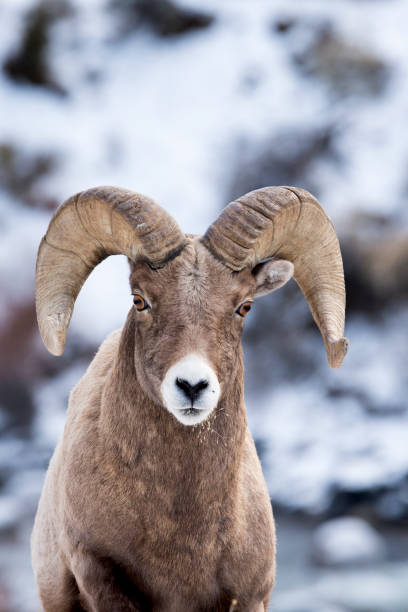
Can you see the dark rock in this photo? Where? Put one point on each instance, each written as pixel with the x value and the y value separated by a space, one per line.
pixel 17 342
pixel 20 173
pixel 284 24
pixel 164 17
pixel 285 159
pixel 346 67
pixel 391 506
pixel 29 63
pixel 383 409
pixel 375 256
pixel 23 358
pixel 358 500
pixel 17 407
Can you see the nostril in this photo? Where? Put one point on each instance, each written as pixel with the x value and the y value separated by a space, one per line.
pixel 191 391
pixel 203 384
pixel 184 385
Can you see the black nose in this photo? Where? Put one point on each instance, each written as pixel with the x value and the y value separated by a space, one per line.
pixel 191 391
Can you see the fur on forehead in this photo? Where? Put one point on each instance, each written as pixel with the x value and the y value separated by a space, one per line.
pixel 196 267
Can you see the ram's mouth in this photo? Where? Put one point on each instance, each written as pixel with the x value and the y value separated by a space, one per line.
pixel 190 411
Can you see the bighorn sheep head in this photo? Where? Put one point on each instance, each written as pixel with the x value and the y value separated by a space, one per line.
pixel 191 294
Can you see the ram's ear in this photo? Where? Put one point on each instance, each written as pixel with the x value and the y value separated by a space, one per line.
pixel 271 275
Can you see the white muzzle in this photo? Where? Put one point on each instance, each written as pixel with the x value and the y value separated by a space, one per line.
pixel 190 389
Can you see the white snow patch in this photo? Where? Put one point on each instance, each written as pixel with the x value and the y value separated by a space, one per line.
pixel 347 541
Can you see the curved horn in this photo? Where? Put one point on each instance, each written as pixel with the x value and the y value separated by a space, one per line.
pixel 288 223
pixel 86 229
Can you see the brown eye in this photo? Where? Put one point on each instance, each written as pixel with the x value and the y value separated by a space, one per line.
pixel 140 302
pixel 244 308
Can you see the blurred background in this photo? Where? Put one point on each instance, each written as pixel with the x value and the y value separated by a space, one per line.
pixel 194 103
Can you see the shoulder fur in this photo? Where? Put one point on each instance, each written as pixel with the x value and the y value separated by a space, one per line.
pixel 89 388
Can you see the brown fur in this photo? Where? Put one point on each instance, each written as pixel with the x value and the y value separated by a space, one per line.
pixel 138 511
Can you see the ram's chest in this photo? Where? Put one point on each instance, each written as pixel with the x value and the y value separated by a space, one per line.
pixel 176 536
pixel 174 523
pixel 160 542
pixel 139 513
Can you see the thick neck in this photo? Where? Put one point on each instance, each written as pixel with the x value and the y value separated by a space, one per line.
pixel 152 444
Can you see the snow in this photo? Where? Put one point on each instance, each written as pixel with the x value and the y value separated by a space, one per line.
pixel 369 590
pixel 347 541
pixel 9 512
pixel 51 399
pixel 318 443
pixel 377 590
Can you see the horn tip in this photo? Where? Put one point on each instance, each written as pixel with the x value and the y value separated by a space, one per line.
pixel 55 349
pixel 336 351
pixel 53 333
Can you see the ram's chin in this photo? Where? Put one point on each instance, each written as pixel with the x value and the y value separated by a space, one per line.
pixel 190 416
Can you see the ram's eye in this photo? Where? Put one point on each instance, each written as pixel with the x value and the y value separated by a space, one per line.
pixel 140 302
pixel 244 308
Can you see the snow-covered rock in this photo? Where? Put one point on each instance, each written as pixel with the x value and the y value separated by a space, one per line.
pixel 357 590
pixel 380 590
pixel 303 602
pixel 347 541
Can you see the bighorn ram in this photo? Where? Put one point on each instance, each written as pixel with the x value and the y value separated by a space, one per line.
pixel 154 498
